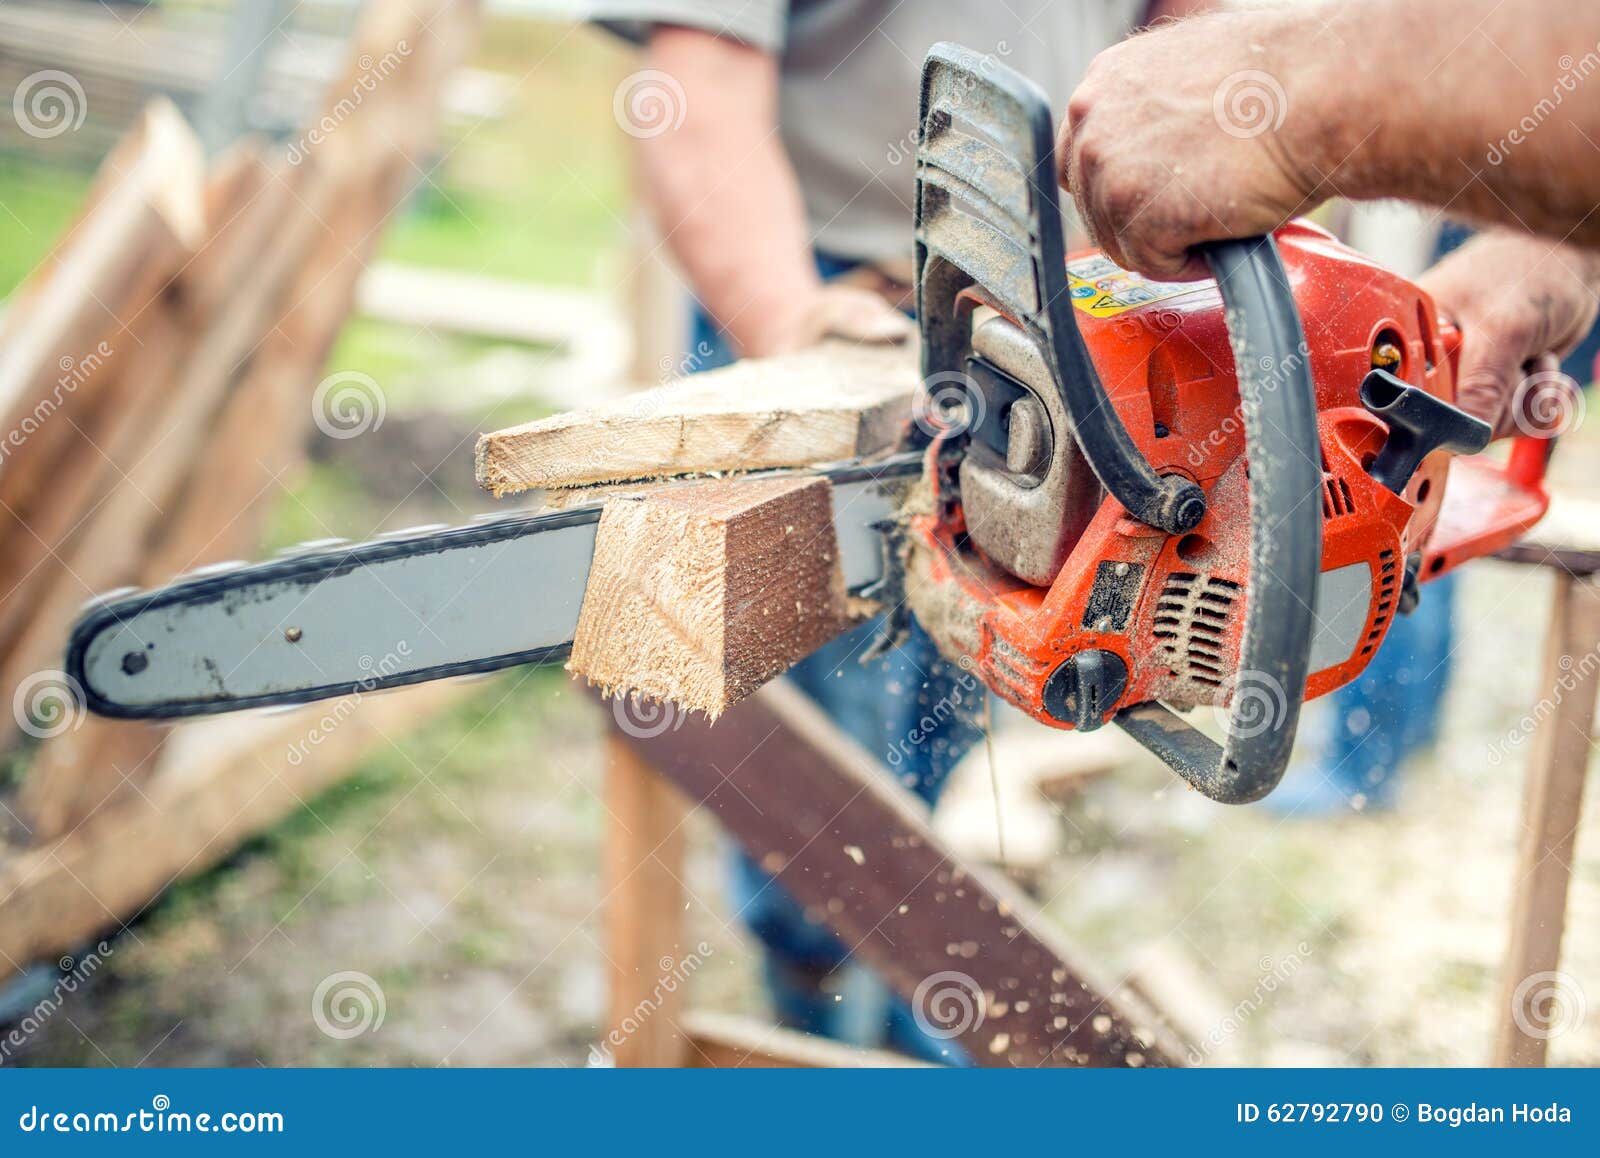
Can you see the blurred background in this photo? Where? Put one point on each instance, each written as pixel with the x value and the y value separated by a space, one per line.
pixel 454 856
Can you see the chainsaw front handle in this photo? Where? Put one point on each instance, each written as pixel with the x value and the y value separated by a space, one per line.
pixel 1278 401
pixel 988 217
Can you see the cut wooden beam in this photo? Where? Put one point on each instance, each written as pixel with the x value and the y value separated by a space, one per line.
pixel 835 402
pixel 699 594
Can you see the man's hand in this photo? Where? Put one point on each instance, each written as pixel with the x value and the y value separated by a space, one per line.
pixel 834 310
pixel 1228 124
pixel 1521 303
pixel 1173 138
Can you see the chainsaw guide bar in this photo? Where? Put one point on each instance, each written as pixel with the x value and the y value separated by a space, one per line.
pixel 413 606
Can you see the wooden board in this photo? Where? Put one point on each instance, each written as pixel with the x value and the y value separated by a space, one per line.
pixel 699 594
pixel 835 402
pixel 970 952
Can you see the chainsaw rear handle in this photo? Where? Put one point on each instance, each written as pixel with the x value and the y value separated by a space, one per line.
pixel 989 219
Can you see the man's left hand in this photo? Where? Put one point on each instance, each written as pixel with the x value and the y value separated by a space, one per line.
pixel 1521 303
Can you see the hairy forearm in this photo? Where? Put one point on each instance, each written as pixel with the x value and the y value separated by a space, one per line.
pixel 1489 108
pixel 723 191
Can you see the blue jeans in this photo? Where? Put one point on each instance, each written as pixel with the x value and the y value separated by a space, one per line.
pixel 881 705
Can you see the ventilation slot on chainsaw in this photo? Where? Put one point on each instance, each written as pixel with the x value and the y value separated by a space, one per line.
pixel 1191 619
pixel 1388 583
pixel 1336 498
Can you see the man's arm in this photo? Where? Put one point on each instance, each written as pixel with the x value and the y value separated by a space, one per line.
pixel 729 205
pixel 1228 124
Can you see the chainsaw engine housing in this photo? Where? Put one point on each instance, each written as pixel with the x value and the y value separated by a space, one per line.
pixel 1169 607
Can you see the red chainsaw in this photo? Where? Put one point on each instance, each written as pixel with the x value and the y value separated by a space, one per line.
pixel 1142 495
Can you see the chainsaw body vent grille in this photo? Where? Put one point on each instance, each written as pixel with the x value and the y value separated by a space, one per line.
pixel 1190 623
pixel 1388 585
pixel 1336 498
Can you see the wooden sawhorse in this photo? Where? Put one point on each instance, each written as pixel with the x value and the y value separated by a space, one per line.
pixel 956 941
pixel 1558 760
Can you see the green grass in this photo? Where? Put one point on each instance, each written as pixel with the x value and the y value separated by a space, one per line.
pixel 37 204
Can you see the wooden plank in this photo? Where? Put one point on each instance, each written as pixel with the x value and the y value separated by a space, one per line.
pixel 698 594
pixel 145 203
pixel 1567 537
pixel 218 782
pixel 66 344
pixel 837 401
pixel 172 415
pixel 47 570
pixel 972 955
pixel 257 400
pixel 727 1041
pixel 1531 1009
pixel 485 307
pixel 644 912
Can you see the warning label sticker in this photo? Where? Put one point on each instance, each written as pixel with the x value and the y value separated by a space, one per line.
pixel 1103 290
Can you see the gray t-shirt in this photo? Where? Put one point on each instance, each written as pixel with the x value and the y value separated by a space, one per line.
pixel 850 80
